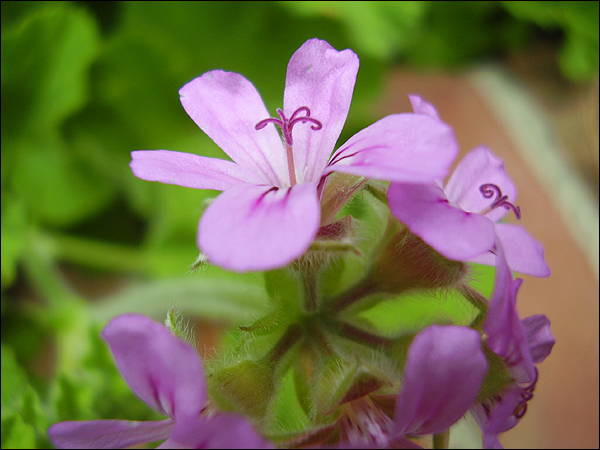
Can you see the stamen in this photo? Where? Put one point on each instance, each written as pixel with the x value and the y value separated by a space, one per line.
pixel 489 190
pixel 287 125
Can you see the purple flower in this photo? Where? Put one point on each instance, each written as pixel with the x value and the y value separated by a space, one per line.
pixel 269 212
pixel 459 220
pixel 520 343
pixel 167 374
pixel 444 370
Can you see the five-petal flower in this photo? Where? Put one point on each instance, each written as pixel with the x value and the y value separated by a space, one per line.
pixel 459 220
pixel 269 211
pixel 167 374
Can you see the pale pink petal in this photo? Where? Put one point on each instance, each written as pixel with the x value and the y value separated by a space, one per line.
pixel 256 228
pixel 160 368
pixel 452 232
pixel 227 107
pixel 407 148
pixel 420 106
pixel 444 369
pixel 189 170
pixel 477 168
pixel 108 433
pixel 322 79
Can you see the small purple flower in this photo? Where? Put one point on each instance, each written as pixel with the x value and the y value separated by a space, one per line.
pixel 167 374
pixel 459 220
pixel 444 370
pixel 520 343
pixel 269 212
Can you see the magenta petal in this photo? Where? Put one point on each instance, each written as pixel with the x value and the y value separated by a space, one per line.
pixel 444 370
pixel 160 368
pixel 538 335
pixel 224 430
pixel 256 228
pixel 499 417
pixel 108 433
pixel 189 170
pixel 477 168
pixel 407 148
pixel 420 106
pixel 523 253
pixel 322 79
pixel 452 232
pixel 506 336
pixel 227 107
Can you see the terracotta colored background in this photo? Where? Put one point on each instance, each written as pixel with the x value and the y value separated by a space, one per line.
pixel 564 411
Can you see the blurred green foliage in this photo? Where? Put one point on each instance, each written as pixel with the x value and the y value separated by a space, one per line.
pixel 85 83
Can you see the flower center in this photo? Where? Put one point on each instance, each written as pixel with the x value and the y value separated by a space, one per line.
pixel 364 423
pixel 286 126
pixel 488 190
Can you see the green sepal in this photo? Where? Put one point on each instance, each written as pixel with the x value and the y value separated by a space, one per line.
pixel 247 387
pixel 497 377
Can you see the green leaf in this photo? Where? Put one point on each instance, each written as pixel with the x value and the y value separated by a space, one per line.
pixel 14 238
pixel 16 433
pixel 231 298
pixel 45 59
pixel 14 381
pixel 418 309
pixel 56 189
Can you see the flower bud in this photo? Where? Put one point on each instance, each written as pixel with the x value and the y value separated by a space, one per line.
pixel 407 262
pixel 247 386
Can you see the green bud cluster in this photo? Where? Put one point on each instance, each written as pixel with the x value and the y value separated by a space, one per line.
pixel 339 361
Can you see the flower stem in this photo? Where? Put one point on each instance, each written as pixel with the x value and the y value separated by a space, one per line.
pixel 359 291
pixel 287 341
pixel 309 280
pixel 474 297
pixel 361 336
pixel 290 159
pixel 441 440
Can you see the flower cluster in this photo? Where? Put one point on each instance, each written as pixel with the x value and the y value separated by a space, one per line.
pixel 283 206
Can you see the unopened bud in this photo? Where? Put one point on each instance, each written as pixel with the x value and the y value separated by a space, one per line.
pixel 247 386
pixel 407 262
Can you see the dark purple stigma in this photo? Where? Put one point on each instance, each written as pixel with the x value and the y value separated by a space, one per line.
pixel 489 190
pixel 525 395
pixel 286 124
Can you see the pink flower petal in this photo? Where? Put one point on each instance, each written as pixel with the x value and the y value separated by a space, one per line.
pixel 524 254
pixel 161 369
pixel 477 168
pixel 506 336
pixel 498 418
pixel 452 232
pixel 420 106
pixel 227 107
pixel 406 148
pixel 224 430
pixel 444 370
pixel 321 78
pixel 189 170
pixel 108 433
pixel 256 228
pixel 539 337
